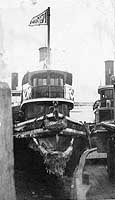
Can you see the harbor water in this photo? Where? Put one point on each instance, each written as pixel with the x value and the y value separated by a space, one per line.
pixel 83 111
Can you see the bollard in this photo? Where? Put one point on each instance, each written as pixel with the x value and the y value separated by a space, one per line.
pixel 7 186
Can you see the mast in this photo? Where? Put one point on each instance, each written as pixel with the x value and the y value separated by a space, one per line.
pixel 113 78
pixel 43 19
pixel 48 23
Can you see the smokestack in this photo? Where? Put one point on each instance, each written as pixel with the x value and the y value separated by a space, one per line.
pixel 109 71
pixel 14 81
pixel 43 53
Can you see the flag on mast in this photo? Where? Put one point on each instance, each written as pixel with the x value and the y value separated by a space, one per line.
pixel 41 19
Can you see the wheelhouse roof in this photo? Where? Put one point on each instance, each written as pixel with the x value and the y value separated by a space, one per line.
pixel 105 87
pixel 29 75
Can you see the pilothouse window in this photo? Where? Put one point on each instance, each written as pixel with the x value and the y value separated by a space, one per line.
pixel 39 81
pixel 56 81
pixel 107 94
pixel 35 82
pixel 61 81
pixel 44 81
pixel 52 81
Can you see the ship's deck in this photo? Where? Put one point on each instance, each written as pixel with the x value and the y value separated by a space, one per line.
pixel 101 186
pixel 91 180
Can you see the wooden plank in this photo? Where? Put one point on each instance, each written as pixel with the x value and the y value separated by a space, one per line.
pixel 7 188
pixel 101 187
pixel 96 155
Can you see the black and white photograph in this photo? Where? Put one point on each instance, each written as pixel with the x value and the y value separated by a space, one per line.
pixel 57 100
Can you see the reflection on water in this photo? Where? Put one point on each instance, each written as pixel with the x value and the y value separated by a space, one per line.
pixel 83 112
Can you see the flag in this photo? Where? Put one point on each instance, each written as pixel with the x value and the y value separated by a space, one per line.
pixel 41 19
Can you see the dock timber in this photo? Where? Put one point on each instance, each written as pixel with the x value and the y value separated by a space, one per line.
pixel 96 180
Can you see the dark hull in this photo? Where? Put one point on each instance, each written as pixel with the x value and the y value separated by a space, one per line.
pixel 58 144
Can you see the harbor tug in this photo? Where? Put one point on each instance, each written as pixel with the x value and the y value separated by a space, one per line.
pixel 44 124
pixel 103 133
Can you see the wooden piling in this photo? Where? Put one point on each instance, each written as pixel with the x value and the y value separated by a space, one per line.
pixel 7 186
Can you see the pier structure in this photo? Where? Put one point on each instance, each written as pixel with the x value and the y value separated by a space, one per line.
pixel 7 186
pixel 80 184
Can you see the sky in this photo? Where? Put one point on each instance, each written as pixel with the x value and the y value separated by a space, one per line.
pixel 81 40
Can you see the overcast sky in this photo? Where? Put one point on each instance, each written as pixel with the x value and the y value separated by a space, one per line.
pixel 81 40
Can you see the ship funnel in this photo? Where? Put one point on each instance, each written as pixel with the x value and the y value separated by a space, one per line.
pixel 43 53
pixel 109 71
pixel 44 57
pixel 14 81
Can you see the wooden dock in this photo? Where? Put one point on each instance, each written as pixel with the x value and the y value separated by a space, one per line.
pixel 101 186
pixel 93 183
